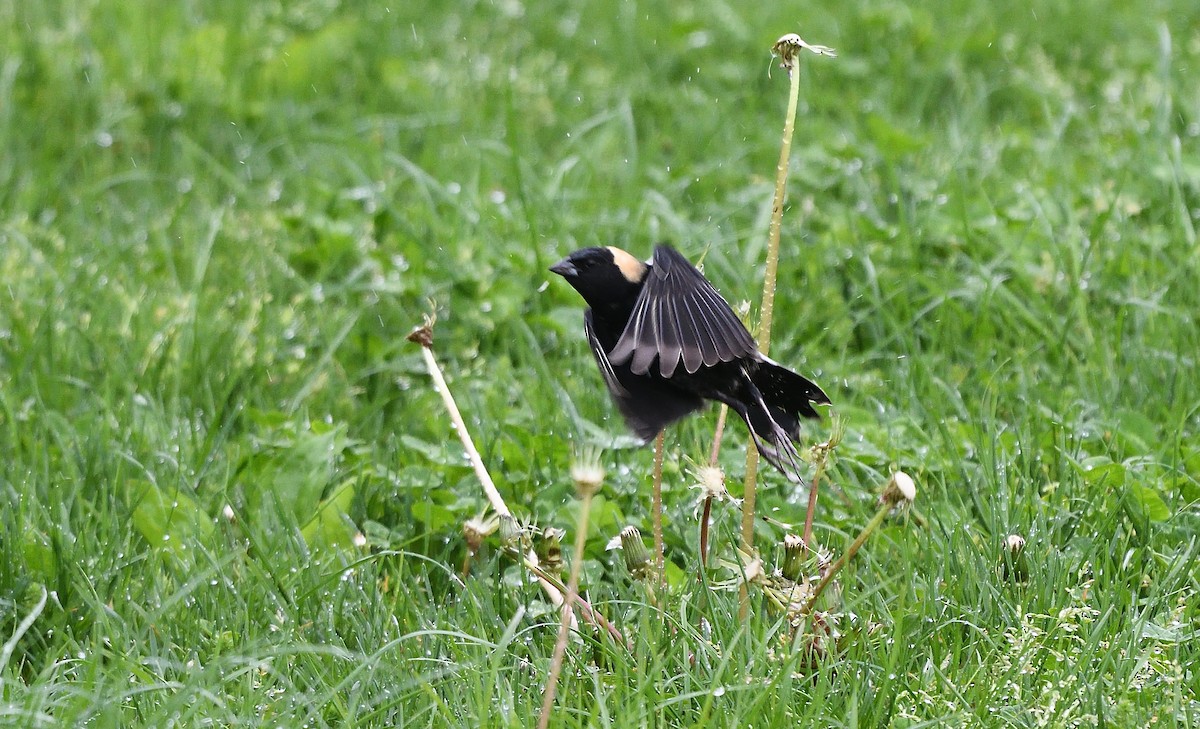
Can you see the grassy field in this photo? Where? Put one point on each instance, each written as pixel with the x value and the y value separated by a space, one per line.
pixel 219 220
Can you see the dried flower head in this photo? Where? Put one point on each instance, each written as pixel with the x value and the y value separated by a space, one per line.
pixel 710 480
pixel 795 556
pixel 1014 543
pixel 511 533
pixel 900 490
pixel 790 45
pixel 586 471
pixel 749 568
pixel 423 335
pixel 823 451
pixel 477 528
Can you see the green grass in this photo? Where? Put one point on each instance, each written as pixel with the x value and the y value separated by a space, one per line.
pixel 219 220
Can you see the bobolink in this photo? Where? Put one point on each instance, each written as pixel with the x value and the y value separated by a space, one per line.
pixel 666 341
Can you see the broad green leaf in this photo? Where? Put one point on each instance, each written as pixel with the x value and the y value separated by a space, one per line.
pixel 39 553
pixel 1135 432
pixel 604 520
pixel 1104 473
pixel 173 523
pixel 292 471
pixel 331 526
pixel 435 517
pixel 1188 488
pixel 1149 503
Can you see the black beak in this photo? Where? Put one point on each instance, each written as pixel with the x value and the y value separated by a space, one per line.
pixel 565 268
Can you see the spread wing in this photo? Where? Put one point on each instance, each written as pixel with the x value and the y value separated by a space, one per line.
pixel 646 406
pixel 679 316
pixel 606 369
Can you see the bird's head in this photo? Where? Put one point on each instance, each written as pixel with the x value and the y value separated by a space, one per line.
pixel 603 275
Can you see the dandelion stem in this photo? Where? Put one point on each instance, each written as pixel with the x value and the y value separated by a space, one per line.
pixel 424 336
pixel 769 280
pixel 717 433
pixel 564 628
pixel 656 508
pixel 748 523
pixel 819 471
pixel 589 613
pixel 848 555
pixel 705 517
pixel 713 454
pixel 781 176
pixel 553 588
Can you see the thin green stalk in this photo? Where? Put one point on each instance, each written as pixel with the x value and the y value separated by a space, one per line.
pixel 822 453
pixel 787 48
pixel 781 175
pixel 837 566
pixel 656 509
pixel 564 628
pixel 899 491
pixel 717 433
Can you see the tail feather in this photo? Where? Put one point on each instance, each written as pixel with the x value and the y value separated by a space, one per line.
pixel 782 454
pixel 778 398
pixel 787 391
pixel 773 431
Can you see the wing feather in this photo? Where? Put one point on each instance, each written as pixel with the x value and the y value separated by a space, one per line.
pixel 646 407
pixel 729 335
pixel 606 369
pixel 647 340
pixel 706 335
pixel 679 316
pixel 693 351
pixel 669 339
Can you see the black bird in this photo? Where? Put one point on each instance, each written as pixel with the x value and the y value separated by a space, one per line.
pixel 666 341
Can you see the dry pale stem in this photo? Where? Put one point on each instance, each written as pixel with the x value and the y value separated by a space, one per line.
pixel 424 336
pixel 590 614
